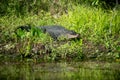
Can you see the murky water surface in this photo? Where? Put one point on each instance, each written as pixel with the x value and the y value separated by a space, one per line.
pixel 60 71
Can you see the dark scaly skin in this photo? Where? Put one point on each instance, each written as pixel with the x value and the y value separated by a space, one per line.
pixel 56 31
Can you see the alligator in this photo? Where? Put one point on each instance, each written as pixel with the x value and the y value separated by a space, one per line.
pixel 55 31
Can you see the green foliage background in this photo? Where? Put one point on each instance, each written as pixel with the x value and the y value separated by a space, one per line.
pixel 21 7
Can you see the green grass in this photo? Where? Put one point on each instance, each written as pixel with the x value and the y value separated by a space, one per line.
pixel 99 30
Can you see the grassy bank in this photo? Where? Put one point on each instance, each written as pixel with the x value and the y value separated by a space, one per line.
pixel 99 30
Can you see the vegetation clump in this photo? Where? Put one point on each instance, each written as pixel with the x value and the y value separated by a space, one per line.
pixel 99 30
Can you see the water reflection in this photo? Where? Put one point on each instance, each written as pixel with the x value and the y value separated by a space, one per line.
pixel 60 71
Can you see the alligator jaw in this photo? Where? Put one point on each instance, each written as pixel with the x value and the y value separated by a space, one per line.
pixel 69 36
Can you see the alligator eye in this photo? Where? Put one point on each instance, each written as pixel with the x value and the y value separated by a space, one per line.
pixel 44 30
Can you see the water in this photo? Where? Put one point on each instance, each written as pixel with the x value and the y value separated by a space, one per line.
pixel 60 71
